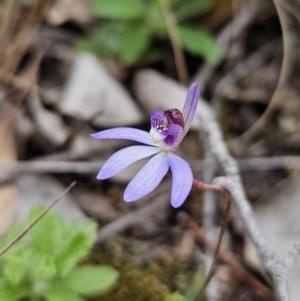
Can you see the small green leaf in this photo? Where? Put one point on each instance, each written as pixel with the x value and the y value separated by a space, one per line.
pixel 44 234
pixel 196 285
pixel 13 271
pixel 189 8
pixel 43 267
pixel 134 43
pixel 119 9
pixel 76 246
pixel 199 42
pixel 90 280
pixel 11 293
pixel 156 20
pixel 106 41
pixel 59 294
pixel 174 297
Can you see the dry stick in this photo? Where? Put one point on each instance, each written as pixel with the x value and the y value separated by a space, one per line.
pixel 242 69
pixel 175 41
pixel 23 38
pixel 225 38
pixel 293 8
pixel 285 74
pixel 208 211
pixel 37 219
pixel 10 171
pixel 6 15
pixel 227 258
pixel 203 186
pixel 273 266
pixel 159 201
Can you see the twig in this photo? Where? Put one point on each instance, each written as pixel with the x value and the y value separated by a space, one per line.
pixel 225 38
pixel 273 266
pixel 161 200
pixel 175 41
pixel 241 70
pixel 226 257
pixel 212 187
pixel 37 219
pixel 11 170
pixel 208 214
pixel 285 75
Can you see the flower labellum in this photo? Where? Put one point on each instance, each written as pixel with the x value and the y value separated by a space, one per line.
pixel 168 128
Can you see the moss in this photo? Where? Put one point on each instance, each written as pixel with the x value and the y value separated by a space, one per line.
pixel 139 281
pixel 136 285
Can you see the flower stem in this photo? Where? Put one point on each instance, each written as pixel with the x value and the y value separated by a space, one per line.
pixel 203 186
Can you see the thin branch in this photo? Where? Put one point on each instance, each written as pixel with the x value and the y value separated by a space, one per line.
pixel 233 182
pixel 285 74
pixel 226 257
pixel 37 219
pixel 11 170
pixel 209 208
pixel 203 186
pixel 242 69
pixel 226 37
pixel 159 201
pixel 175 41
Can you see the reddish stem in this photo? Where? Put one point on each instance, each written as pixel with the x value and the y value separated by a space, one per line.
pixel 203 186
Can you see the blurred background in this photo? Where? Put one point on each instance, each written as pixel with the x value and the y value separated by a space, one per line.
pixel 69 68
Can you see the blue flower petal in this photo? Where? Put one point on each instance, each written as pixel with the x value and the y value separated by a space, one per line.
pixel 190 106
pixel 125 157
pixel 148 178
pixel 182 180
pixel 125 133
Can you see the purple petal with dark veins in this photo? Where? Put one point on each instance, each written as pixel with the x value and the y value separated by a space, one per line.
pixel 182 180
pixel 158 120
pixel 175 135
pixel 148 178
pixel 125 157
pixel 190 106
pixel 125 133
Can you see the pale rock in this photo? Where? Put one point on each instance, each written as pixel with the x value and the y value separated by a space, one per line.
pixel 42 189
pixel 92 94
pixel 48 123
pixel 62 11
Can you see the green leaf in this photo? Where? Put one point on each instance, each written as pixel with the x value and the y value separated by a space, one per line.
pixel 59 294
pixel 76 246
pixel 199 42
pixel 13 271
pixel 174 297
pixel 134 43
pixel 195 287
pixel 46 232
pixel 90 280
pixel 43 267
pixel 189 8
pixel 11 293
pixel 119 9
pixel 156 20
pixel 106 41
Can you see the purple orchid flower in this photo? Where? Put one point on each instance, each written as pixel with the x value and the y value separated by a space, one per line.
pixel 168 128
